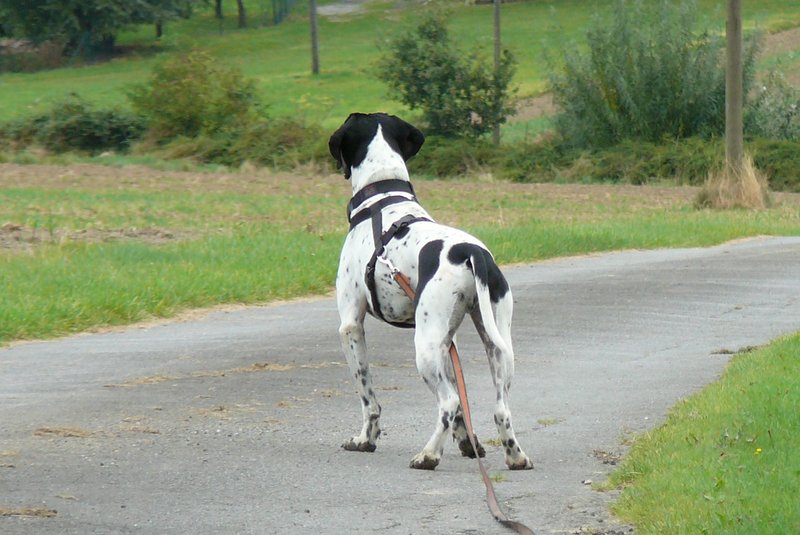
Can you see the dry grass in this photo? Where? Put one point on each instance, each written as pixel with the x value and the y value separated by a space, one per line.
pixel 62 432
pixel 745 187
pixel 29 511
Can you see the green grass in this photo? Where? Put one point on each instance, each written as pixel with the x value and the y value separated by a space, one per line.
pixel 65 289
pixel 279 59
pixel 251 239
pixel 726 460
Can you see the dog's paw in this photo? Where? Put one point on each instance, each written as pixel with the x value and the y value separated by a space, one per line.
pixel 468 451
pixel 424 461
pixel 523 463
pixel 355 445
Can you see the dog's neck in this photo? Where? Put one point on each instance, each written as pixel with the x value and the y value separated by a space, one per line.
pixel 381 163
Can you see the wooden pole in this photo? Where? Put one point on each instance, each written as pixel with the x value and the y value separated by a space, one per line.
pixel 496 129
pixel 312 7
pixel 734 130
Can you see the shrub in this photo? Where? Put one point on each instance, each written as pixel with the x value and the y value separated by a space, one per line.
pixel 459 93
pixel 192 94
pixel 75 125
pixel 280 143
pixel 648 74
pixel 779 160
pixel 453 157
pixel 775 111
pixel 686 161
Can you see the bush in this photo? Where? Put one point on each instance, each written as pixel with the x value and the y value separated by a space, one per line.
pixel 192 94
pixel 280 143
pixel 647 75
pixel 686 161
pixel 75 125
pixel 459 94
pixel 780 161
pixel 775 111
pixel 453 157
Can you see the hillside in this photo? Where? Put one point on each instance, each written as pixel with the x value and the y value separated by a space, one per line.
pixel 278 56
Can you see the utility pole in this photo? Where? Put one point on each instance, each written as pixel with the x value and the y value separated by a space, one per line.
pixel 496 130
pixel 312 7
pixel 734 130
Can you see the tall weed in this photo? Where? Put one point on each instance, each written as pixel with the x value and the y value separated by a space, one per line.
pixel 649 73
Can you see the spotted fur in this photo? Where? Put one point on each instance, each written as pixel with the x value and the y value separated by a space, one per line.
pixel 454 275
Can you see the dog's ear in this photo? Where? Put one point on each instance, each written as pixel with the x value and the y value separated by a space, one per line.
pixel 408 137
pixel 335 147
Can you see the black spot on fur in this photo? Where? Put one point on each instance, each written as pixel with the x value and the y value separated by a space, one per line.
pixel 428 264
pixel 482 265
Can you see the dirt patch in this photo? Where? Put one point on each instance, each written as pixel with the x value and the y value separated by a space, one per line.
pixel 16 236
pixel 94 177
pixel 532 108
pixel 29 511
pixel 156 379
pixel 62 432
pixel 606 457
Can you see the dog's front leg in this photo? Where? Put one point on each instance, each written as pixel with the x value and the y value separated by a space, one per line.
pixel 354 346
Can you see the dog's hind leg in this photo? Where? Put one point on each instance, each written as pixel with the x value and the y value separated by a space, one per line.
pixel 432 338
pixel 501 364
pixel 351 333
pixel 459 425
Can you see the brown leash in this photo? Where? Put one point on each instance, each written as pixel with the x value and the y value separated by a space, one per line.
pixel 491 498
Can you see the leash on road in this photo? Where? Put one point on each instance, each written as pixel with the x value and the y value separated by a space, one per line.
pixel 494 507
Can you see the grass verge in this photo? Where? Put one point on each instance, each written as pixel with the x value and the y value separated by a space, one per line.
pixel 726 459
pixel 86 246
pixel 65 289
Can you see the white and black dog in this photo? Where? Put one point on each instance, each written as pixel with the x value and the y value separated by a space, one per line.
pixel 453 272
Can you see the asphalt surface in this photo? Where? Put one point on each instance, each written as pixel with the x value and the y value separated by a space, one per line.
pixel 232 423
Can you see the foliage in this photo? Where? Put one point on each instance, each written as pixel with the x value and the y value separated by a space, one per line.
pixel 75 125
pixel 445 157
pixel 775 111
pixel 86 26
pixel 192 94
pixel 459 94
pixel 647 74
pixel 686 161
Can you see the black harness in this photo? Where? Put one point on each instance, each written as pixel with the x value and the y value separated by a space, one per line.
pixel 380 238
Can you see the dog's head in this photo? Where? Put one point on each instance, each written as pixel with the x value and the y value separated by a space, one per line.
pixel 350 144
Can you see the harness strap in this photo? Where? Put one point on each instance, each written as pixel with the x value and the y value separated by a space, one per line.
pixel 381 241
pixel 393 185
pixel 375 210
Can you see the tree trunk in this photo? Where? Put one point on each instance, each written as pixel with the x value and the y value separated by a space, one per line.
pixel 159 29
pixel 242 14
pixel 218 9
pixel 496 128
pixel 734 143
pixel 312 7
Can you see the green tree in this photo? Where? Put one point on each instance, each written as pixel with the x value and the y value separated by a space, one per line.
pixel 459 93
pixel 87 26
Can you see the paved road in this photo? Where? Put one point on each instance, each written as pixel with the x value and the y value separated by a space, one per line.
pixel 232 423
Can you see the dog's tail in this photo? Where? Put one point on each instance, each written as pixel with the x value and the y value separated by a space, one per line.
pixel 490 286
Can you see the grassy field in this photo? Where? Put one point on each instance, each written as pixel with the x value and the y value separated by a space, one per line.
pixel 278 57
pixel 84 246
pixel 726 460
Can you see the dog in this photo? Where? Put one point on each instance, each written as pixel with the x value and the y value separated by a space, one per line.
pixel 453 272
